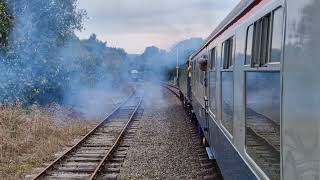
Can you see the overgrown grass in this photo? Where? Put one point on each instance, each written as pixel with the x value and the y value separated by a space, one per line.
pixel 31 136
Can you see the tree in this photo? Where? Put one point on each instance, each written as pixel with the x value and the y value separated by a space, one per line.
pixel 33 66
pixel 5 23
pixel 160 64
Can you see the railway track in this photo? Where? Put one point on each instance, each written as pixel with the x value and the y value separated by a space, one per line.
pixel 265 155
pixel 87 159
pixel 266 128
pixel 175 90
pixel 110 167
pixel 210 168
pixel 263 143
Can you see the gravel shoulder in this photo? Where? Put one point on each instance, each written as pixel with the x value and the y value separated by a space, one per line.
pixel 163 146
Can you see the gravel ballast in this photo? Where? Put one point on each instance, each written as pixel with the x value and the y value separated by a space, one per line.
pixel 163 147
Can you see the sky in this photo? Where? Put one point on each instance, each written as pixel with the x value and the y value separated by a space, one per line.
pixel 137 24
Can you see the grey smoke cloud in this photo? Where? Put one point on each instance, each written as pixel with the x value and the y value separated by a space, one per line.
pixel 135 24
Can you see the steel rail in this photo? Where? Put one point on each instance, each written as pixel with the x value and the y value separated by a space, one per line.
pixel 254 133
pixel 170 85
pixel 171 90
pixel 115 144
pixel 70 150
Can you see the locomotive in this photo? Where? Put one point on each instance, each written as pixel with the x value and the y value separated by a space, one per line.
pixel 253 88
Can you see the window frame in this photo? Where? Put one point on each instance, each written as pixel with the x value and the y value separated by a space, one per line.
pixel 228 57
pixel 268 67
pixel 213 62
pixel 261 41
pixel 246 61
pixel 271 35
pixel 194 75
pixel 228 69
pixel 256 60
pixel 247 154
pixel 213 70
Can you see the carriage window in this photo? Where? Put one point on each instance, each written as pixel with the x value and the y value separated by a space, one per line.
pixel 267 39
pixel 227 85
pixel 194 78
pixel 263 120
pixel 261 38
pixel 265 35
pixel 198 76
pixel 201 76
pixel 212 58
pixel 212 82
pixel 249 45
pixel 256 44
pixel 262 28
pixel 277 34
pixel 227 100
pixel 193 74
pixel 227 53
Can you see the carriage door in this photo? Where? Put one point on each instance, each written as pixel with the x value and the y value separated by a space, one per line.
pixel 206 104
pixel 211 89
pixel 210 98
pixel 202 93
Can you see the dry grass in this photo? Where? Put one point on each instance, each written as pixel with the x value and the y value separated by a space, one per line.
pixel 30 137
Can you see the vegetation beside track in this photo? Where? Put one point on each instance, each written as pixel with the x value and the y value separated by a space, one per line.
pixel 31 137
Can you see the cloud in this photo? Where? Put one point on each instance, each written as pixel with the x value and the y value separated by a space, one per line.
pixel 132 24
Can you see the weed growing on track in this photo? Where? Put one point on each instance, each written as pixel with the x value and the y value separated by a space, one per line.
pixel 30 136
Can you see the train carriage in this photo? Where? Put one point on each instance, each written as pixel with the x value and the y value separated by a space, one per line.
pixel 257 101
